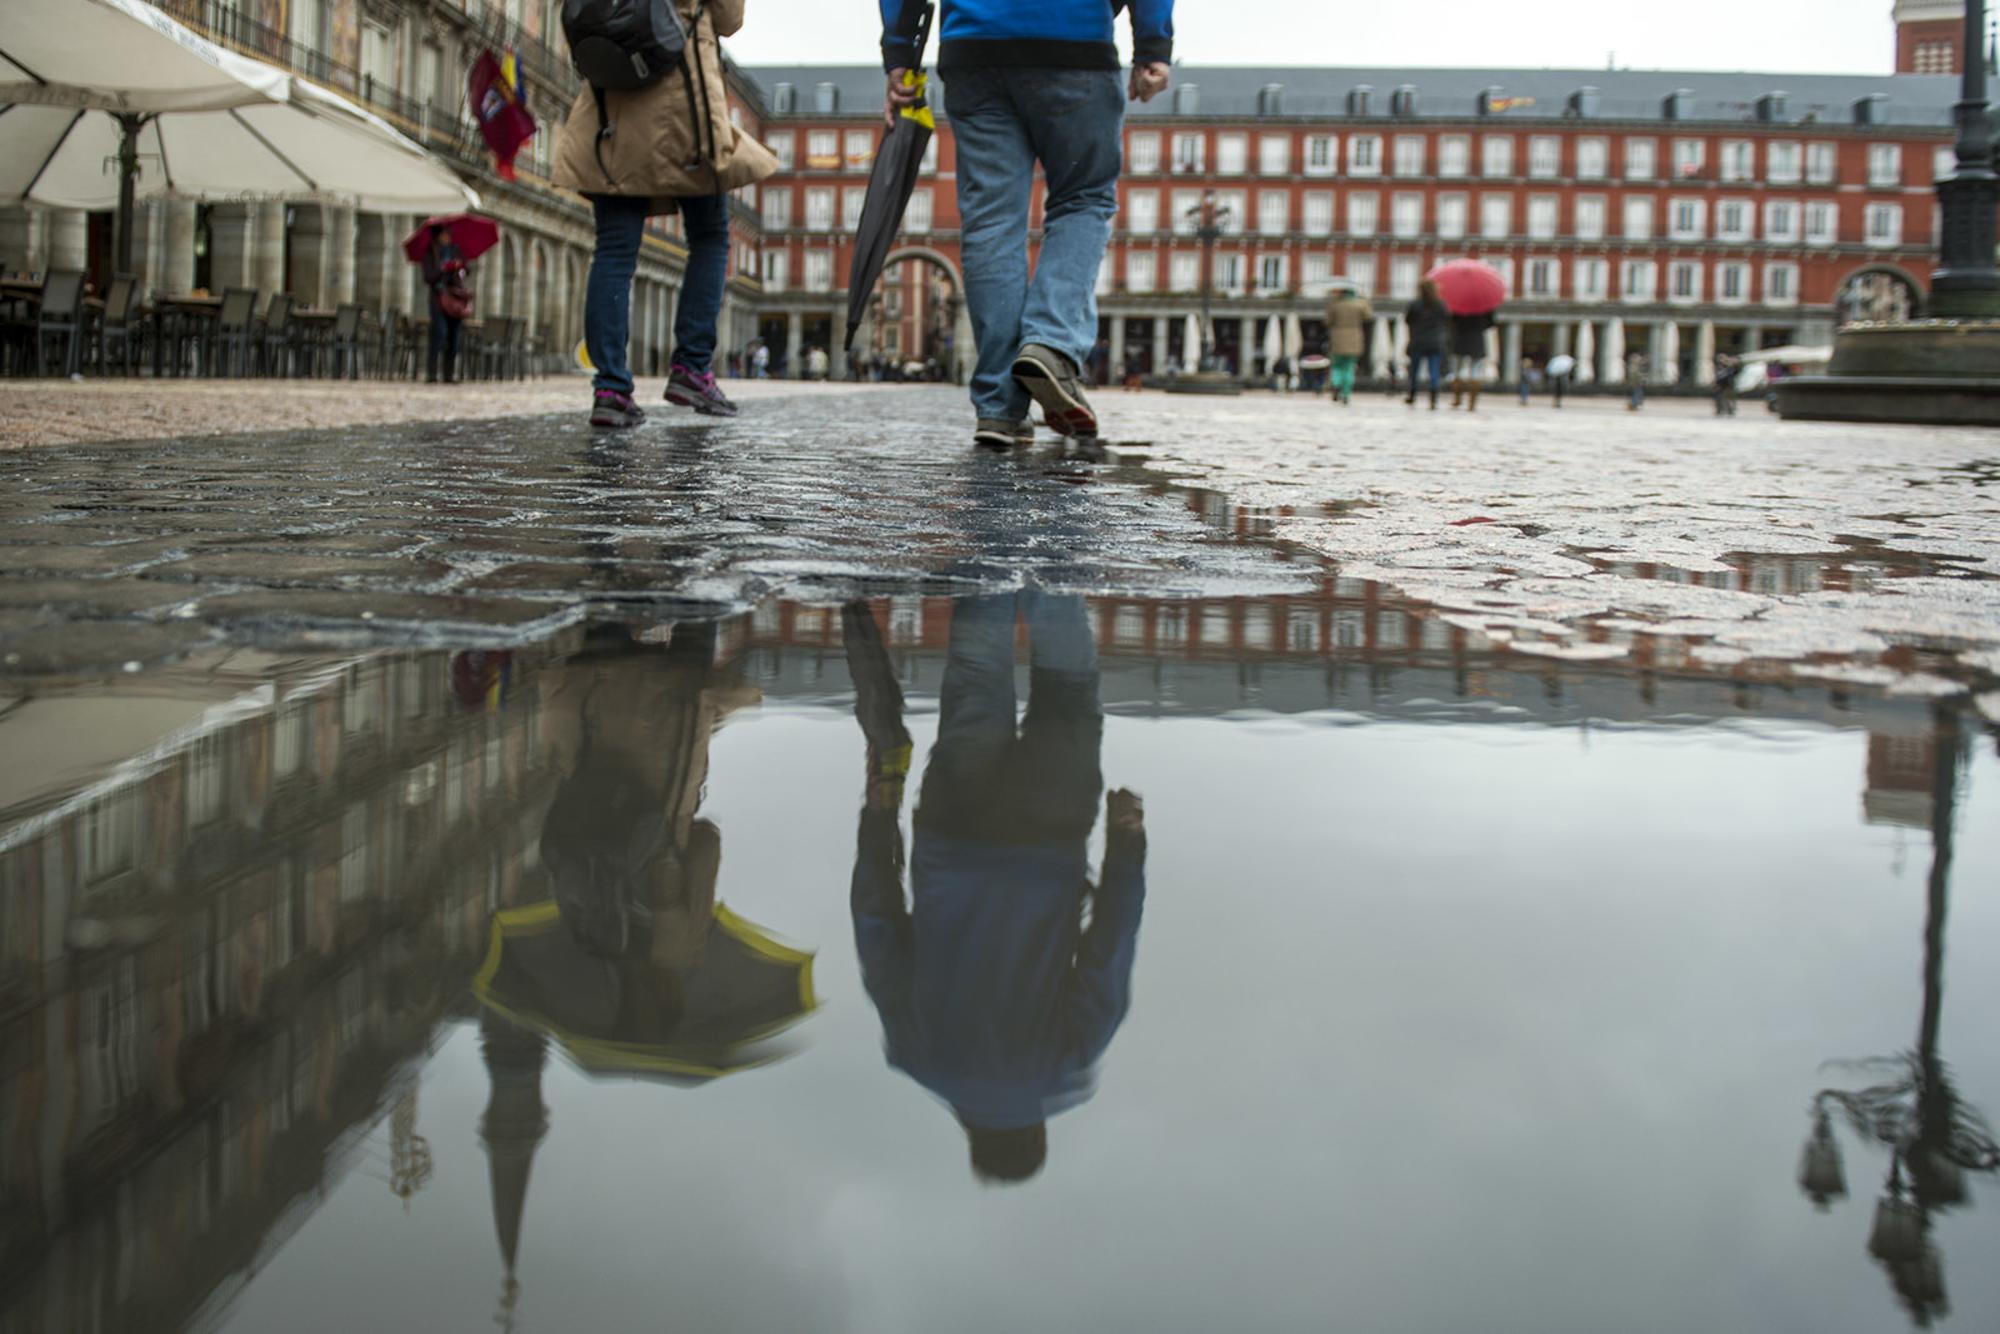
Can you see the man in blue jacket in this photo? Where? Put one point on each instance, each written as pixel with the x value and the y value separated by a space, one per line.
pixel 1030 81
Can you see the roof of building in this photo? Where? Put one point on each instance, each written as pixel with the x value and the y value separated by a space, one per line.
pixel 1229 91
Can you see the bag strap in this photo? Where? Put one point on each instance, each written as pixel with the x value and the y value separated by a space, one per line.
pixel 603 130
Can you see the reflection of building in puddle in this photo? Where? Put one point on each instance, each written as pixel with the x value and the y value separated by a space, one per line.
pixel 219 962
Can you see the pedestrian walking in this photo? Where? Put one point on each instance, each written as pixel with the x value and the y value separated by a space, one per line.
pixel 670 146
pixel 1529 375
pixel 816 363
pixel 760 360
pixel 1347 323
pixel 1030 81
pixel 1429 321
pixel 450 302
pixel 1726 368
pixel 1468 358
pixel 1560 368
pixel 1635 381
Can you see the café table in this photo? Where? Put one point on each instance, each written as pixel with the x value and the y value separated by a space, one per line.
pixel 182 319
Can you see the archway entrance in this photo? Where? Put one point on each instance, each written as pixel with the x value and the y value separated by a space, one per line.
pixel 917 327
pixel 1877 294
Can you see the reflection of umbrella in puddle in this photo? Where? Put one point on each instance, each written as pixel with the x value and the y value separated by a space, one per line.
pixel 635 1017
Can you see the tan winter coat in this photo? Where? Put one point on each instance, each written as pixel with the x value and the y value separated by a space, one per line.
pixel 1347 326
pixel 657 147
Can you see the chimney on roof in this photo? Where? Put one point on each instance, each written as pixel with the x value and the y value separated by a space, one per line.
pixel 1403 102
pixel 784 99
pixel 1585 102
pixel 1357 99
pixel 1678 105
pixel 1271 100
pixel 826 98
pixel 1187 98
pixel 1490 100
pixel 1771 107
pixel 1872 109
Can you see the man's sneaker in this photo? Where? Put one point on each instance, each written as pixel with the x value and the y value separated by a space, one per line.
pixel 612 409
pixel 698 390
pixel 999 433
pixel 1050 378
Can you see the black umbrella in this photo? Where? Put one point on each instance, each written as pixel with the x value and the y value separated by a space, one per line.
pixel 896 166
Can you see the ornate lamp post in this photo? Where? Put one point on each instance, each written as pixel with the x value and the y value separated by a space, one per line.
pixel 1966 283
pixel 1208 218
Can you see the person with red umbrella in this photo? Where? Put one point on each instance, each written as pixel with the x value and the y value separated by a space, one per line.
pixel 445 246
pixel 1473 292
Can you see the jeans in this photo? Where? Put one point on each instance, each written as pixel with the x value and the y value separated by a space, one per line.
pixel 1420 362
pixel 1005 120
pixel 607 301
pixel 445 333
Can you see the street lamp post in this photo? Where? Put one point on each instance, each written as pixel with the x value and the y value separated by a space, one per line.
pixel 1966 282
pixel 1208 219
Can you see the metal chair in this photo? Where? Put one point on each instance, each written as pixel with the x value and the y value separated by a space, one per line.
pixel 343 345
pixel 274 336
pixel 60 317
pixel 236 333
pixel 118 327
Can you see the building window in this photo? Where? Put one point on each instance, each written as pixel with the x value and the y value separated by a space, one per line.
pixel 1232 209
pixel 1497 155
pixel 777 270
pixel 1782 163
pixel 1732 220
pixel 1274 212
pixel 1363 213
pixel 928 166
pixel 782 147
pixel 1732 284
pixel 1739 160
pixel 819 210
pixel 777 208
pixel 1935 57
pixel 1593 159
pixel 1781 220
pixel 1184 272
pixel 1190 154
pixel 1322 156
pixel 1544 278
pixel 1142 212
pixel 1412 155
pixel 1638 218
pixel 819 270
pixel 1496 216
pixel 1361 272
pixel 1688 219
pixel 1454 214
pixel 1545 155
pixel 1822 164
pixel 1405 271
pixel 917 217
pixel 1271 273
pixel 1781 284
pixel 1684 281
pixel 1274 154
pixel 1639 281
pixel 1593 279
pixel 1504 266
pixel 1454 155
pixel 1364 155
pixel 1229 273
pixel 1642 159
pixel 852 200
pixel 1318 208
pixel 822 150
pixel 1232 154
pixel 1187 212
pixel 1885 224
pixel 1144 153
pixel 1885 165
pixel 1543 213
pixel 1142 269
pixel 1822 224
pixel 860 150
pixel 1944 163
pixel 1690 157
pixel 1315 272
pixel 1406 216
pixel 1590 213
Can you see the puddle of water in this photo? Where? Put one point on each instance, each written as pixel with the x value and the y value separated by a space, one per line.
pixel 775 974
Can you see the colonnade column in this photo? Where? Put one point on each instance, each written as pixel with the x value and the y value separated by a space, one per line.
pixel 1117 357
pixel 68 238
pixel 175 272
pixel 340 237
pixel 1510 354
pixel 23 239
pixel 1161 346
pixel 267 265
pixel 1704 354
pixel 795 344
pixel 232 240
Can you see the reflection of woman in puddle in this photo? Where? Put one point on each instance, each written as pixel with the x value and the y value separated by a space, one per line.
pixel 993 992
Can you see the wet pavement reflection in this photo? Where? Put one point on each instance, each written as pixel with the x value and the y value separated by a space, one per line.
pixel 1267 962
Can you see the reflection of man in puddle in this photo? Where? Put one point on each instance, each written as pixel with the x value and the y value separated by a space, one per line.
pixel 993 992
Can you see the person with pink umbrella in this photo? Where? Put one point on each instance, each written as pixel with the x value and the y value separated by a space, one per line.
pixel 1473 292
pixel 445 246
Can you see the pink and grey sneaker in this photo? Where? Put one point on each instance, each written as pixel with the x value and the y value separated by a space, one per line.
pixel 612 410
pixel 698 390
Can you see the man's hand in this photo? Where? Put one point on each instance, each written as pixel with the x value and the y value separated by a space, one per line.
pixel 1149 80
pixel 899 96
pixel 1124 812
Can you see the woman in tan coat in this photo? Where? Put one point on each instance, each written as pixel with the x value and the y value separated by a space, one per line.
pixel 1347 317
pixel 660 149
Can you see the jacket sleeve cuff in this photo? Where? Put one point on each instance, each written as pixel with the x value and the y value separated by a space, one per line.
pixel 898 53
pixel 1150 50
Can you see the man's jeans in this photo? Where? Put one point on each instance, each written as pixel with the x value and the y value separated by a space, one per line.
pixel 607 301
pixel 1004 121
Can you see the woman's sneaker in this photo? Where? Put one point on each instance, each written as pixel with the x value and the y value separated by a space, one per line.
pixel 611 409
pixel 1051 379
pixel 698 390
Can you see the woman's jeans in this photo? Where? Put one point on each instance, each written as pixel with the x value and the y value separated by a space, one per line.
pixel 1422 362
pixel 445 333
pixel 607 302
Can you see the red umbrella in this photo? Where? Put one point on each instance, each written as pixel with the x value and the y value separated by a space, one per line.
pixel 1469 287
pixel 473 235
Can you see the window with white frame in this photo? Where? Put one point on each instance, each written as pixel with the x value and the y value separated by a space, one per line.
pixel 1642 159
pixel 1454 217
pixel 1315 272
pixel 928 166
pixel 1454 155
pixel 1184 272
pixel 1361 272
pixel 1187 212
pixel 1504 266
pixel 1544 278
pixel 1405 272
pixel 1274 212
pixel 777 208
pixel 1545 157
pixel 1142 268
pixel 1104 278
pixel 1781 283
pixel 1232 212
pixel 1274 154
pixel 860 155
pixel 822 150
pixel 777 270
pixel 1733 219
pixel 1690 157
pixel 1592 279
pixel 1739 160
pixel 1944 163
pixel 1364 155
pixel 1687 219
pixel 852 200
pixel 1317 206
pixel 1590 217
pixel 1885 225
pixel 1232 154
pixel 1190 153
pixel 1271 276
pixel 1412 155
pixel 1230 273
pixel 1142 212
pixel 1784 162
pixel 1593 158
pixel 1822 164
pixel 1732 283
pixel 819 270
pixel 1781 220
pixel 1684 281
pixel 1364 212
pixel 1406 216
pixel 1322 155
pixel 1143 152
pixel 1885 165
pixel 1639 281
pixel 1637 220
pixel 1496 155
pixel 917 216
pixel 783 147
pixel 1822 221
pixel 1496 216
pixel 1543 217
pixel 819 210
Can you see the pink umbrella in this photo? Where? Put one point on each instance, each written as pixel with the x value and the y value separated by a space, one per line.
pixel 1469 287
pixel 472 234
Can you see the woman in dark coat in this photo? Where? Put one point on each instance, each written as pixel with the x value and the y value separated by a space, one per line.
pixel 1468 354
pixel 444 275
pixel 1429 321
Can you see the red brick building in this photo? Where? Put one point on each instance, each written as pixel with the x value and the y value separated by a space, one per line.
pixel 1930 36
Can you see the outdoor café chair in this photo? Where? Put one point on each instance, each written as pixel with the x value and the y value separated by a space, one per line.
pixel 118 329
pixel 236 332
pixel 274 336
pixel 60 320
pixel 344 345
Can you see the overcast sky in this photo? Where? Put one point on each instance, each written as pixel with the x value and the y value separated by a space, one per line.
pixel 1820 36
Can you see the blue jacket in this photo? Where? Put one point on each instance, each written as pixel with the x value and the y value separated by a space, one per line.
pixel 1050 34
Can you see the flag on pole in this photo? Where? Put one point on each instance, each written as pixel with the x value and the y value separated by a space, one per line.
pixel 501 107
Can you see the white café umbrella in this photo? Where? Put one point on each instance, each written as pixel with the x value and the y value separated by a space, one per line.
pixel 1704 353
pixel 1586 352
pixel 1191 343
pixel 1614 351
pixel 1295 339
pixel 1274 344
pixel 104 101
pixel 1669 369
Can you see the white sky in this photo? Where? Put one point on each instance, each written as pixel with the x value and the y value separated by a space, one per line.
pixel 1801 36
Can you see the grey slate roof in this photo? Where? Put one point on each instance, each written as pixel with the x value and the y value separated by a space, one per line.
pixel 1227 92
